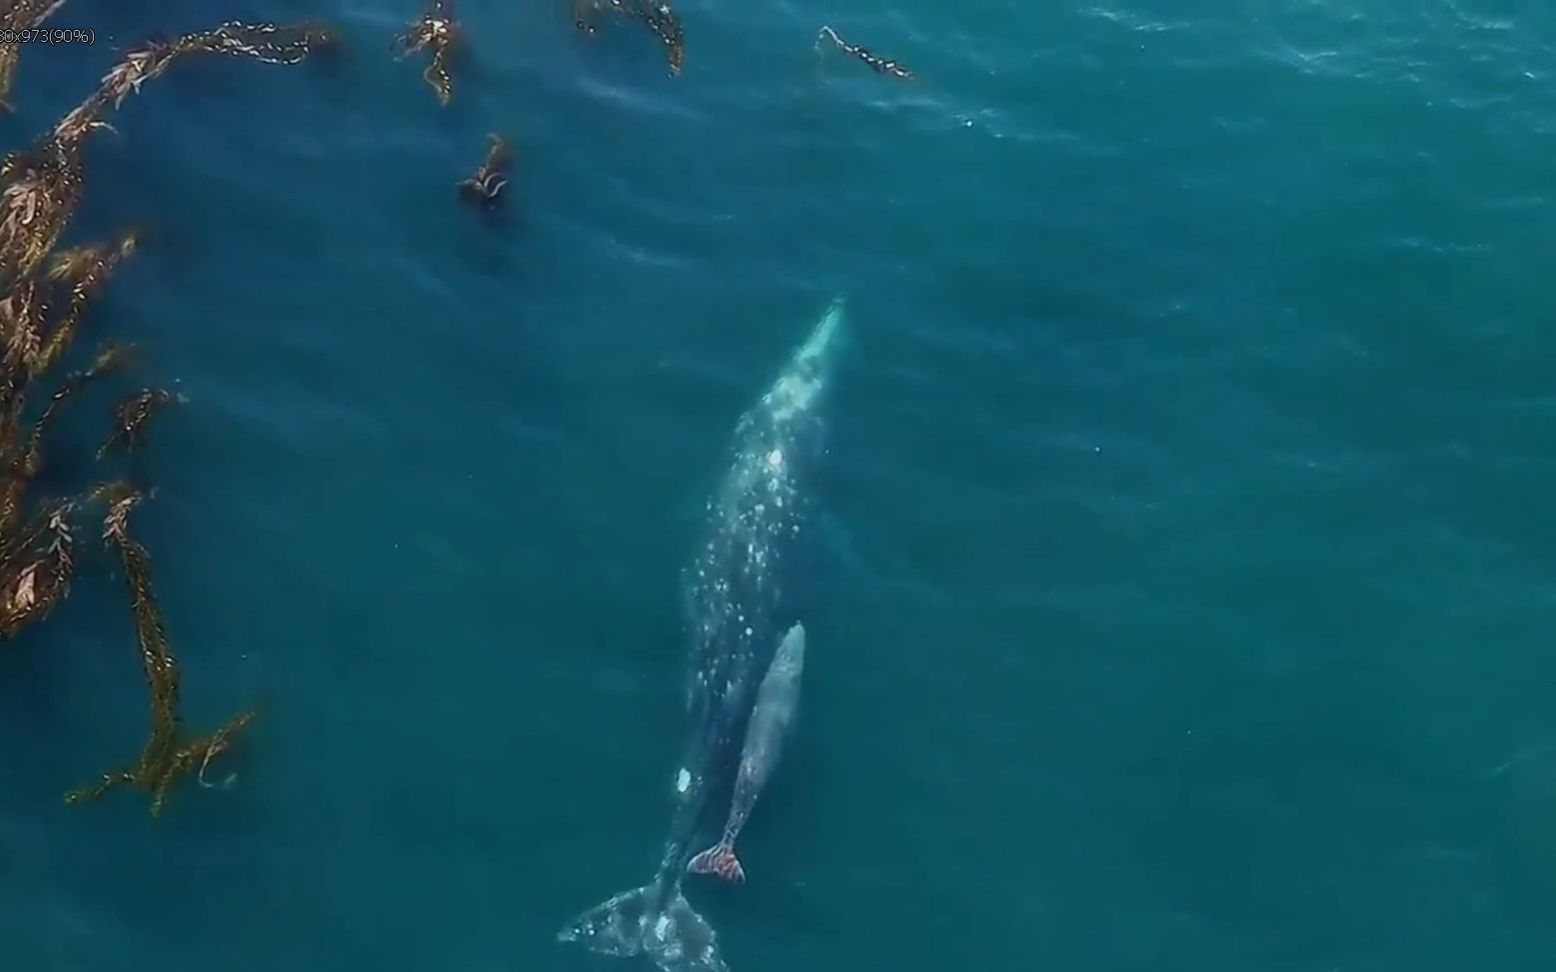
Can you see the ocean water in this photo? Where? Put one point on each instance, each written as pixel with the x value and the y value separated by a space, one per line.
pixel 1184 587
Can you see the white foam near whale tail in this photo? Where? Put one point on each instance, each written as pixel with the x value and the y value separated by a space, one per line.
pixel 640 922
pixel 803 379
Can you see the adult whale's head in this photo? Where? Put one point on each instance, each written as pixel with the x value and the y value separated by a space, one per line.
pixel 798 388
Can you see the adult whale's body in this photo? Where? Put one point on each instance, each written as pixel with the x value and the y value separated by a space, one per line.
pixel 737 597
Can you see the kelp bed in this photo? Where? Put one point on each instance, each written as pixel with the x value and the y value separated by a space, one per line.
pixel 48 292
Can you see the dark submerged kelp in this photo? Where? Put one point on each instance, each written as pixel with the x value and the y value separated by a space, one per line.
pixel 166 756
pixel 436 31
pixel 878 64
pixel 655 14
pixel 131 416
pixel 41 189
pixel 485 185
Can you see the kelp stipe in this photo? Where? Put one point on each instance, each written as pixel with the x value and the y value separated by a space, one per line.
pixel 165 757
pixel 436 31
pixel 876 63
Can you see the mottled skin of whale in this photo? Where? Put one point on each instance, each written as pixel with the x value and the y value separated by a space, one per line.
pixel 777 699
pixel 736 596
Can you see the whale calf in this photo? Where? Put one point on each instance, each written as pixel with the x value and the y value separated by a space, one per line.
pixel 776 700
pixel 738 596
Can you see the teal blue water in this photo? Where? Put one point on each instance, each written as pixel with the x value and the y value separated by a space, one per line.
pixel 1185 583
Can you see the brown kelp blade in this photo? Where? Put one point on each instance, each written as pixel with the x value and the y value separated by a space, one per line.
pixel 35 574
pixel 37 559
pixel 876 63
pixel 40 188
pixel 35 337
pixel 24 315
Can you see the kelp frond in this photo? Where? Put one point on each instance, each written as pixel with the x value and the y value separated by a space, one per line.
pixel 164 759
pixel 131 416
pixel 83 271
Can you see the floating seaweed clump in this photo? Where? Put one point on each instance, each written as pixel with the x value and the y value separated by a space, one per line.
pixel 19 15
pixel 166 756
pixel 131 416
pixel 879 65
pixel 488 181
pixel 439 32
pixel 655 14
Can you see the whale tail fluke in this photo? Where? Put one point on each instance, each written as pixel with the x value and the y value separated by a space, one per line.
pixel 640 922
pixel 612 928
pixel 719 859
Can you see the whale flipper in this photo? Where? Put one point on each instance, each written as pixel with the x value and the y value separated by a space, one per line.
pixel 676 937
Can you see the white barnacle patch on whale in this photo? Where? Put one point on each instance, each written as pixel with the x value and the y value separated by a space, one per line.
pixel 683 780
pixel 662 926
pixel 775 458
